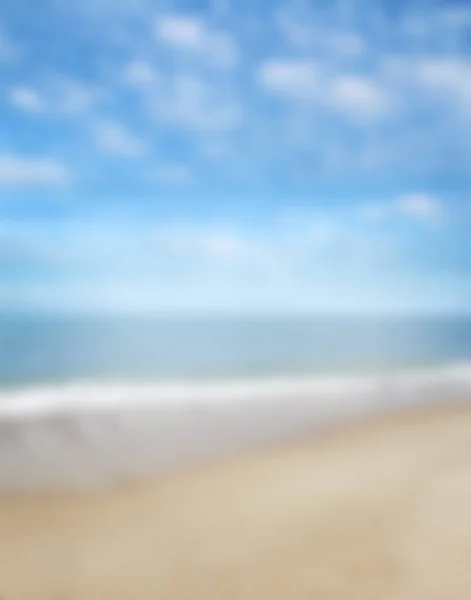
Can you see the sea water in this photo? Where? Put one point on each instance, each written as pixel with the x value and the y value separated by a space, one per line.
pixel 40 349
pixel 91 400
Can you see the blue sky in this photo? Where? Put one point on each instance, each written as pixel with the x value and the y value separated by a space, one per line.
pixel 274 156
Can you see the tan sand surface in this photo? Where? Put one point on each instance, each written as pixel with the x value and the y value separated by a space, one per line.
pixel 379 510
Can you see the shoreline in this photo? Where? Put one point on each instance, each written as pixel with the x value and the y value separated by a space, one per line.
pixel 80 437
pixel 376 508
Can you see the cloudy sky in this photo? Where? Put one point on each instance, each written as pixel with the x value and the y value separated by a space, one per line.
pixel 235 154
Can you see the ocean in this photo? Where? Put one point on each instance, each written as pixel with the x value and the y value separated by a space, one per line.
pixel 42 349
pixel 92 400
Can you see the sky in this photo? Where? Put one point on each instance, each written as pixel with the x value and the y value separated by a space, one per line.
pixel 283 155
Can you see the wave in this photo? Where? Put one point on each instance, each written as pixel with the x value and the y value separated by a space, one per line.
pixel 83 435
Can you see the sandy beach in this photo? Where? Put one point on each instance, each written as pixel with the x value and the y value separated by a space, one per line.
pixel 376 509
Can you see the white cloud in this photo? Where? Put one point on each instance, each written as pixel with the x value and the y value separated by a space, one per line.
pixel 25 171
pixel 259 264
pixel 186 32
pixel 26 98
pixel 296 79
pixel 193 103
pixel 421 206
pixel 450 76
pixel 56 95
pixel 114 138
pixel 140 73
pixel 208 242
pixel 194 36
pixel 443 26
pixel 72 96
pixel 356 96
pixel 173 174
pixel 441 82
pixel 449 73
pixel 359 97
pixel 302 29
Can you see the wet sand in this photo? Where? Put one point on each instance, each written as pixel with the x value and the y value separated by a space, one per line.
pixel 378 509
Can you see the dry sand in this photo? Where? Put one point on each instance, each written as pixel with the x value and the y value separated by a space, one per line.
pixel 378 510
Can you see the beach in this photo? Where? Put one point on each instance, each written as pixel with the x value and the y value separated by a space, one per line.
pixel 377 508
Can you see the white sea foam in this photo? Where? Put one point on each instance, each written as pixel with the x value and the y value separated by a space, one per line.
pixel 89 434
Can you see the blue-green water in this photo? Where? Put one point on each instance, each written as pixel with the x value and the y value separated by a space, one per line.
pixel 46 348
pixel 88 401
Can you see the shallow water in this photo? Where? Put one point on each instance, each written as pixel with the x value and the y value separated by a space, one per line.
pixel 46 348
pixel 88 401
